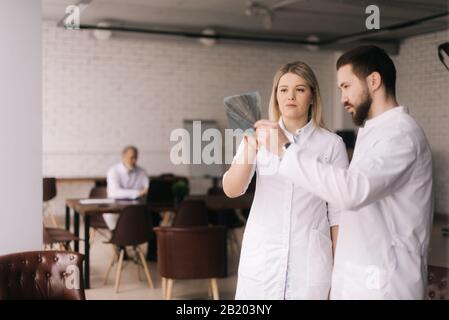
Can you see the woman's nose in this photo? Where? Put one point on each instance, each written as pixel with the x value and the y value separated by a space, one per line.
pixel 291 96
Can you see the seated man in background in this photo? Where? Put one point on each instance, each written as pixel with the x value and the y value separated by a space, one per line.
pixel 125 180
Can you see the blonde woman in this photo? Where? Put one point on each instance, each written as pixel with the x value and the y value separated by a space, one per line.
pixel 287 249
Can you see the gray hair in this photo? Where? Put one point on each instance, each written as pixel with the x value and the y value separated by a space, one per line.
pixel 128 148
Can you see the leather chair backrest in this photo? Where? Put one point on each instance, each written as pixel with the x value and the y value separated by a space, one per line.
pixel 49 188
pixel 98 193
pixel 42 275
pixel 191 213
pixel 134 226
pixel 438 288
pixel 191 252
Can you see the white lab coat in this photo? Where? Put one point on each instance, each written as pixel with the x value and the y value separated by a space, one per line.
pixel 287 249
pixel 386 195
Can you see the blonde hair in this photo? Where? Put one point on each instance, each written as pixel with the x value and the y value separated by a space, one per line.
pixel 304 71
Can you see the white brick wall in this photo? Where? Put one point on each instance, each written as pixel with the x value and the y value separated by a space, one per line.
pixel 423 86
pixel 100 96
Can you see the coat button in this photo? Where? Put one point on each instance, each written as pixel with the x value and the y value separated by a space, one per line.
pixel 48 274
pixel 55 259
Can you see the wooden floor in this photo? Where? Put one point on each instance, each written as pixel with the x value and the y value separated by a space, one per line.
pixel 132 288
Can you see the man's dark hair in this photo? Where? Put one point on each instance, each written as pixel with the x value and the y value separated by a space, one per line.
pixel 128 148
pixel 368 59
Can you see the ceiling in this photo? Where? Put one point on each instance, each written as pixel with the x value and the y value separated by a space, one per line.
pixel 335 22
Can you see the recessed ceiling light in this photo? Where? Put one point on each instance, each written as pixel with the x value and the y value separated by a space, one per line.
pixel 101 34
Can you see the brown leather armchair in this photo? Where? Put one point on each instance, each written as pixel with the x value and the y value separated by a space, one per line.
pixel 438 286
pixel 191 213
pixel 42 275
pixel 191 253
pixel 227 218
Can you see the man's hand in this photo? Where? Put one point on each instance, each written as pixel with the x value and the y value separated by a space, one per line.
pixel 143 192
pixel 270 135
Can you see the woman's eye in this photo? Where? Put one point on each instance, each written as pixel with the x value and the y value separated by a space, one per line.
pixel 300 90
pixel 283 90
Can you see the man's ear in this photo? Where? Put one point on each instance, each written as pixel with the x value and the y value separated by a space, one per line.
pixel 374 81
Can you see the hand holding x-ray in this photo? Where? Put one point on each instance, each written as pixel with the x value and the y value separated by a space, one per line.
pixel 243 110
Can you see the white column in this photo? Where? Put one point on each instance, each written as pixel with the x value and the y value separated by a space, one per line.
pixel 20 126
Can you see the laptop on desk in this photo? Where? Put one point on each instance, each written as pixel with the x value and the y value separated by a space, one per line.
pixel 160 194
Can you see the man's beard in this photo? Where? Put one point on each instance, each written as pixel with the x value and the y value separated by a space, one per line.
pixel 361 111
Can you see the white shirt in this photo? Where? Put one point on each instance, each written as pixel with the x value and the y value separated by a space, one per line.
pixel 386 195
pixel 287 249
pixel 124 183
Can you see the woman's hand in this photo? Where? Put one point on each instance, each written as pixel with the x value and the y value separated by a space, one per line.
pixel 239 174
pixel 270 135
pixel 251 142
pixel 251 147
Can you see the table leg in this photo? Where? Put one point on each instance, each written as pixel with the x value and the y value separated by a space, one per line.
pixel 152 243
pixel 226 253
pixel 86 252
pixel 67 218
pixel 240 216
pixel 76 226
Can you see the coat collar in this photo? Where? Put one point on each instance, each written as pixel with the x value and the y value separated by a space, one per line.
pixel 385 115
pixel 301 133
pixel 124 169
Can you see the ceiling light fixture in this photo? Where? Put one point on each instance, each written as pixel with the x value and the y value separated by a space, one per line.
pixel 208 41
pixel 102 34
pixel 257 9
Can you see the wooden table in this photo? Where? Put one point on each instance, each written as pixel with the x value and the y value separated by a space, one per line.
pixel 213 202
pixel 86 211
pixel 222 202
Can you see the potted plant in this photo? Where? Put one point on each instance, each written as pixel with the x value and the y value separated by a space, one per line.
pixel 180 189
